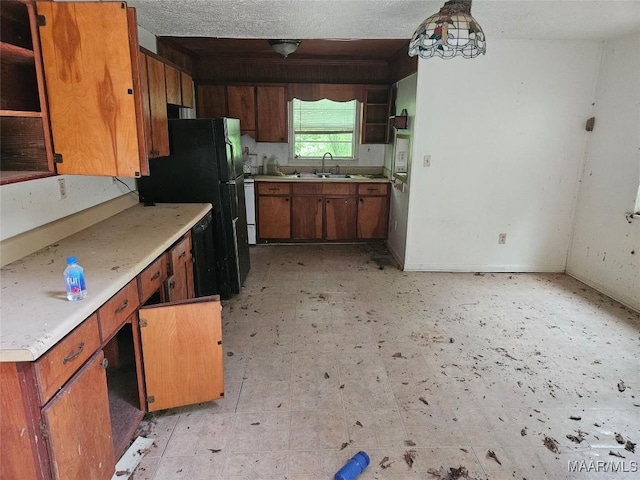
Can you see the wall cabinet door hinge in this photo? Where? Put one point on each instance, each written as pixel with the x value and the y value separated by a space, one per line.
pixel 143 322
pixel 151 399
pixel 41 20
pixel 57 158
pixel 43 431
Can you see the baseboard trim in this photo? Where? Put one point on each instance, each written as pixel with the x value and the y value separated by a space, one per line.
pixel 14 248
pixel 628 302
pixel 485 268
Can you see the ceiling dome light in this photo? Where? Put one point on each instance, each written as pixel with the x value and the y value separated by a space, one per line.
pixel 450 32
pixel 284 47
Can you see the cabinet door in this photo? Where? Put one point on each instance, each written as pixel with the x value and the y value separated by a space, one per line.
pixel 373 215
pixel 182 352
pixel 186 88
pixel 94 102
pixel 274 217
pixel 174 85
pixel 272 114
pixel 146 105
pixel 79 426
pixel 212 101
pixel 306 217
pixel 241 101
pixel 158 108
pixel 180 283
pixel 340 214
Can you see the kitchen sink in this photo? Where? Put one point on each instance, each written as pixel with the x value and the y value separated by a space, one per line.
pixel 332 175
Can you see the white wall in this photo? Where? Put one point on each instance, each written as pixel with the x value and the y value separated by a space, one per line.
pixel 602 251
pixel 506 137
pixel 399 202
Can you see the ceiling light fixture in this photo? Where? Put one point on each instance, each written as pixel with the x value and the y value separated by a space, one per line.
pixel 284 47
pixel 450 32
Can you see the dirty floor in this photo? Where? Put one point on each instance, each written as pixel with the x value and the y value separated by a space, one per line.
pixel 332 349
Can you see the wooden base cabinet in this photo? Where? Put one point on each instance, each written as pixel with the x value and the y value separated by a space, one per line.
pixel 341 215
pixel 322 211
pixel 78 426
pixel 307 217
pixel 69 414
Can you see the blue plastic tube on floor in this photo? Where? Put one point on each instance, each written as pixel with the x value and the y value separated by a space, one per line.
pixel 353 467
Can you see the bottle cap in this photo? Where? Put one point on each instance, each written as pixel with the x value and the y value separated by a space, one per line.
pixel 71 260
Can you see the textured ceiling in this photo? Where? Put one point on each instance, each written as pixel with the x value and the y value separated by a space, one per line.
pixel 343 19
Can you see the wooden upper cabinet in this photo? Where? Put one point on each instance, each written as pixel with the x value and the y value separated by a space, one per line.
pixel 186 87
pixel 182 352
pixel 90 57
pixel 241 102
pixel 78 426
pixel 272 114
pixel 174 85
pixel 158 108
pixel 211 101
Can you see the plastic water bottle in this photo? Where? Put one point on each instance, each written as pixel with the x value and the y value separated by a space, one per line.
pixel 353 467
pixel 74 280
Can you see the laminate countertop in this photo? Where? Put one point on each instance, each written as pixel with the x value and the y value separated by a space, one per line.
pixel 305 178
pixel 35 313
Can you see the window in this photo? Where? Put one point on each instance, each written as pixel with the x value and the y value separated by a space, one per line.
pixel 323 126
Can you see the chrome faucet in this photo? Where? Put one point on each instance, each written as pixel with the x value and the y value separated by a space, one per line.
pixel 323 157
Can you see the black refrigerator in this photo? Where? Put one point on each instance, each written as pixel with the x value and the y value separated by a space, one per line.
pixel 205 166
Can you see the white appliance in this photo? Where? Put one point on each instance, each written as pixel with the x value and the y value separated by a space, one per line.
pixel 250 201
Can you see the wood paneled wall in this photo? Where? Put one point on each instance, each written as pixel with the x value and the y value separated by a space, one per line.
pixel 290 70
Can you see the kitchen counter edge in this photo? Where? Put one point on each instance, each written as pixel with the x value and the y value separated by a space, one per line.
pixel 112 252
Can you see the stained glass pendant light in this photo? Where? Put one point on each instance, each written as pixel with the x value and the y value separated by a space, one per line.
pixel 450 32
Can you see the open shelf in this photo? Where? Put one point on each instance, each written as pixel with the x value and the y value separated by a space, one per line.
pixel 25 143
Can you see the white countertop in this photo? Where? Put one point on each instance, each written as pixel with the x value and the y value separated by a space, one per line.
pixel 34 311
pixel 314 179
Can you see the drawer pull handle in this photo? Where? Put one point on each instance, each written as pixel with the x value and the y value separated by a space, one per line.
pixel 75 355
pixel 124 305
pixel 155 276
pixel 372 189
pixel 182 254
pixel 274 189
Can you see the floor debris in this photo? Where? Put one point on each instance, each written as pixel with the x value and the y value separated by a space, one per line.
pixel 616 454
pixel 619 438
pixel 551 444
pixel 630 446
pixel 451 474
pixel 409 457
pixel 491 454
pixel 131 458
pixel 621 386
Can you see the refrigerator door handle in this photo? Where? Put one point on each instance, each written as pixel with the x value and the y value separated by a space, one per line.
pixel 230 182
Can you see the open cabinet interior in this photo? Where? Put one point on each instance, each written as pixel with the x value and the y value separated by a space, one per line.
pixel 25 143
pixel 125 400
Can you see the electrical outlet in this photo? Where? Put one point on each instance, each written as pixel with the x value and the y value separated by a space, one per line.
pixel 502 238
pixel 62 188
pixel 427 160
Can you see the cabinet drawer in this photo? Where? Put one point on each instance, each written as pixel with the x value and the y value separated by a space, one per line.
pixel 373 188
pixel 181 252
pixel 150 280
pixel 307 188
pixel 57 366
pixel 274 188
pixel 339 188
pixel 113 314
